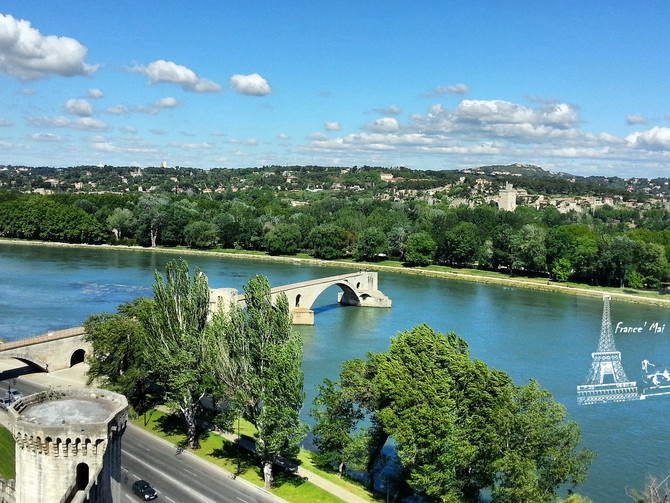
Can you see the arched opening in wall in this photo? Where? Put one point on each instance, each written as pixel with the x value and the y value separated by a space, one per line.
pixel 82 476
pixel 297 300
pixel 77 357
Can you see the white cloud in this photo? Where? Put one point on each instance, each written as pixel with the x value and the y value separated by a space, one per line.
pixel 193 146
pixel 118 110
pixel 111 147
pixel 95 94
pixel 167 71
pixel 632 120
pixel 391 110
pixel 129 129
pixel 332 126
pixel 249 142
pixel 27 92
pixel 283 136
pixel 88 124
pixel 123 109
pixel 27 54
pixel 81 124
pixel 5 122
pixel 318 136
pixel 440 90
pixel 46 137
pixel 383 125
pixel 656 138
pixel 166 103
pixel 79 107
pixel 252 85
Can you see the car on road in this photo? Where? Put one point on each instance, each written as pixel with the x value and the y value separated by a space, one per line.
pixel 143 489
pixel 5 402
pixel 14 395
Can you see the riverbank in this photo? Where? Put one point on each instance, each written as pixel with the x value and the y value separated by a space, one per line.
pixel 625 294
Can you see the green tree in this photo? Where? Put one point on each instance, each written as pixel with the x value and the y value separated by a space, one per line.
pixel 259 362
pixel 201 234
pixel 337 417
pixel 460 246
pixel 177 351
pixel 117 357
pixel 420 249
pixel 328 241
pixel 562 270
pixel 371 243
pixel 285 239
pixel 461 428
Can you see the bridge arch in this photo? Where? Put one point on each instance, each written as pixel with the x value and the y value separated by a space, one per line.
pixel 78 356
pixel 35 363
pixel 307 299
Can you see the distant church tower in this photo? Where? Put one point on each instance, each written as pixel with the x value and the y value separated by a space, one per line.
pixel 507 198
pixel 68 445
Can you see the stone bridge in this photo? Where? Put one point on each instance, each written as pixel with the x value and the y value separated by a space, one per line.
pixel 52 351
pixel 65 348
pixel 357 289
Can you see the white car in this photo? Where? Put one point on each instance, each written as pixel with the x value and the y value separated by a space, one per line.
pixel 14 395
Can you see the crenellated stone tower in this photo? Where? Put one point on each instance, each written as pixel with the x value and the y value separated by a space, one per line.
pixel 68 445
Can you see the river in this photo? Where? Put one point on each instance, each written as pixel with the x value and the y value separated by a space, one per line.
pixel 527 333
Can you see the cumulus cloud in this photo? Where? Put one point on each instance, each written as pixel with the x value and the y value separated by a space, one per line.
pixel 252 85
pixel 656 138
pixel 167 71
pixel 79 107
pixel 192 146
pixel 249 142
pixel 81 124
pixel 383 125
pixel 632 120
pixel 111 147
pixel 332 126
pixel 166 103
pixel 27 54
pixel 283 136
pixel 95 94
pixel 5 123
pixel 391 110
pixel 46 137
pixel 318 136
pixel 440 90
pixel 123 109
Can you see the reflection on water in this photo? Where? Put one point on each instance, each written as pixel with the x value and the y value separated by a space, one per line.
pixel 528 334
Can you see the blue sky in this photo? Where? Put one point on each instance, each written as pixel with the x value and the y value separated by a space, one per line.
pixel 575 86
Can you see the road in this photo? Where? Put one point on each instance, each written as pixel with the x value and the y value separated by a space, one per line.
pixel 178 476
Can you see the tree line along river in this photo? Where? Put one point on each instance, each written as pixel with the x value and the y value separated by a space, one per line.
pixel 526 333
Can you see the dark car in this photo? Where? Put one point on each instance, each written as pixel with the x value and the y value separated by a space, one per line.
pixel 5 402
pixel 144 490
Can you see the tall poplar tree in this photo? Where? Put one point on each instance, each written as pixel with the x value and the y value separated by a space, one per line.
pixel 176 344
pixel 259 363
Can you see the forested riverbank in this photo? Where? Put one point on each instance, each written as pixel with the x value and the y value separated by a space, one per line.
pixel 654 297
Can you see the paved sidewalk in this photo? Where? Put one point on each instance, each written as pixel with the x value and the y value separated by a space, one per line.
pixel 75 377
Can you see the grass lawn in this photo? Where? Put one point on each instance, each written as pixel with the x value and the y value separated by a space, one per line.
pixel 223 453
pixel 7 470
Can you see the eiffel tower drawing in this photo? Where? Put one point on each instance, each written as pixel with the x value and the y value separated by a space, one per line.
pixel 607 380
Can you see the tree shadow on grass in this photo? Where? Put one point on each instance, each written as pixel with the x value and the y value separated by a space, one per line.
pixel 283 476
pixel 173 425
pixel 232 452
